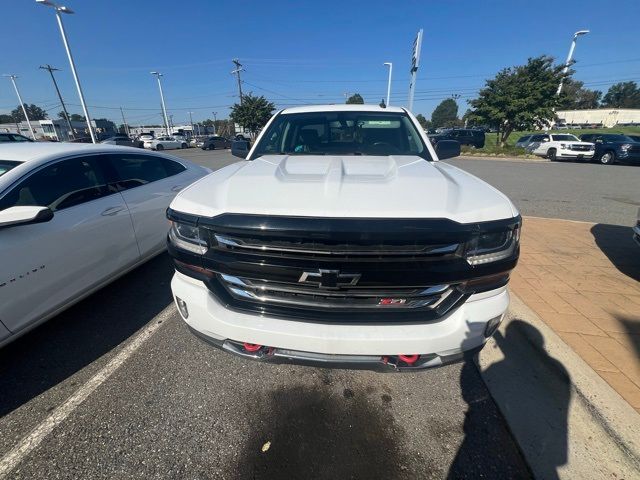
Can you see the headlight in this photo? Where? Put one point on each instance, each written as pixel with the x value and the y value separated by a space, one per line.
pixel 562 145
pixel 491 247
pixel 187 237
pixel 626 146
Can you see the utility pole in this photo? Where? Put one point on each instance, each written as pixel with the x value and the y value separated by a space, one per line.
pixel 24 110
pixel 59 9
pixel 191 120
pixel 124 122
pixel 51 69
pixel 236 72
pixel 158 75
pixel 215 119
pixel 567 64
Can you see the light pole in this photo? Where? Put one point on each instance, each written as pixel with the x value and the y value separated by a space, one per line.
pixel 193 133
pixel 24 110
pixel 164 108
pixel 570 56
pixel 59 9
pixel 389 82
pixel 215 119
pixel 51 69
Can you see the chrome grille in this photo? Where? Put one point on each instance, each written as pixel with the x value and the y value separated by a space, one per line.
pixel 328 249
pixel 299 295
pixel 581 148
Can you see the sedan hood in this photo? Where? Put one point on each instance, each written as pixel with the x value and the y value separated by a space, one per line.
pixel 347 187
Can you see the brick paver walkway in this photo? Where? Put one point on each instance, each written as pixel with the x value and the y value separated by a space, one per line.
pixel 583 280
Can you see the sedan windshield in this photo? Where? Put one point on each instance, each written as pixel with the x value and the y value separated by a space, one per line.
pixel 342 133
pixel 6 165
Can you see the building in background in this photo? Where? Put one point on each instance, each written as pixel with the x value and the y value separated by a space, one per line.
pixel 607 117
pixel 57 130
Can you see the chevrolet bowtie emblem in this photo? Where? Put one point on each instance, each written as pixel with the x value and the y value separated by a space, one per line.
pixel 329 278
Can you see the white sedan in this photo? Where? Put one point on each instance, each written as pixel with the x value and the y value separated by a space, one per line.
pixel 74 217
pixel 165 143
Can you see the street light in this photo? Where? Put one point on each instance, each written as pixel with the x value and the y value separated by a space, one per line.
pixel 62 9
pixel 570 56
pixel 164 108
pixel 215 119
pixel 24 110
pixel 389 82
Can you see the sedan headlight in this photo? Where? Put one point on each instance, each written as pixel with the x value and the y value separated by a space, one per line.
pixel 187 237
pixel 626 146
pixel 491 247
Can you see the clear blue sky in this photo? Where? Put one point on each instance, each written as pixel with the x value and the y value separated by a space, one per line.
pixel 299 52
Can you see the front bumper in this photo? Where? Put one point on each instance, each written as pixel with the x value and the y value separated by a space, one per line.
pixel 627 156
pixel 575 155
pixel 371 345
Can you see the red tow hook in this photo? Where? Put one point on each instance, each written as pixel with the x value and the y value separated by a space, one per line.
pixel 251 347
pixel 409 359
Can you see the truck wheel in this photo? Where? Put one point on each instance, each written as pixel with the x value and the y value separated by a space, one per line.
pixel 608 158
pixel 551 154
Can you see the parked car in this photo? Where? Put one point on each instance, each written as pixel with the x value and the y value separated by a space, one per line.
pixel 80 140
pixel 342 239
pixel 13 137
pixel 613 147
pixel 212 143
pixel 74 218
pixel 146 137
pixel 561 147
pixel 465 136
pixel 123 141
pixel 636 229
pixel 524 141
pixel 181 138
pixel 165 143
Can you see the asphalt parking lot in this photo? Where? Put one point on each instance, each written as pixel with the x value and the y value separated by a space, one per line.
pixel 77 402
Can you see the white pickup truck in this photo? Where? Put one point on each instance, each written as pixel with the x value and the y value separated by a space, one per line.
pixel 561 146
pixel 341 239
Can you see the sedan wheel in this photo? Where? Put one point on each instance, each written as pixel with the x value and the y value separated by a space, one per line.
pixel 608 158
pixel 159 147
pixel 184 145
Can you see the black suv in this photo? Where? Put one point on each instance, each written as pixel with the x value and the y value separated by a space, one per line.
pixel 212 143
pixel 613 147
pixel 466 136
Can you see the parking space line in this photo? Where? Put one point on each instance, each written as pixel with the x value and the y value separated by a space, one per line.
pixel 40 432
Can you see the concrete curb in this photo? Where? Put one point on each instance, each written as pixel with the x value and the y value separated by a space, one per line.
pixel 568 422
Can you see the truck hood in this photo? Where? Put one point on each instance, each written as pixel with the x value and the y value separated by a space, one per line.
pixel 347 187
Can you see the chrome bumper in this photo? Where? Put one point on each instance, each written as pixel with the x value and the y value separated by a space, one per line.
pixel 377 363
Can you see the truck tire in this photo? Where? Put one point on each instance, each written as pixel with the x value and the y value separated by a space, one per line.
pixel 608 157
pixel 551 154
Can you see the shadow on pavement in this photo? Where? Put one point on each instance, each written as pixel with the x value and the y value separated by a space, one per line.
pixel 57 349
pixel 632 327
pixel 616 242
pixel 533 397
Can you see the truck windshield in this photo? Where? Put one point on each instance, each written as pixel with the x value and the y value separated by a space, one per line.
pixel 342 133
pixel 6 165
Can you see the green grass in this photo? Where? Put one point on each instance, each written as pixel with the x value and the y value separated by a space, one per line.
pixel 490 147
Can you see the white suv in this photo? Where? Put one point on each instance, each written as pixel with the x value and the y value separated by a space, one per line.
pixel 561 146
pixel 342 240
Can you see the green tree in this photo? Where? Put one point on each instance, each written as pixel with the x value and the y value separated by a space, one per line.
pixel 74 117
pixel 445 114
pixel 253 113
pixel 576 97
pixel 4 118
pixel 424 123
pixel 355 99
pixel 34 112
pixel 622 95
pixel 521 97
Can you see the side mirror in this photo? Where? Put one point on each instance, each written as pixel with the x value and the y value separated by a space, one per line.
pixel 240 148
pixel 14 216
pixel 447 149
